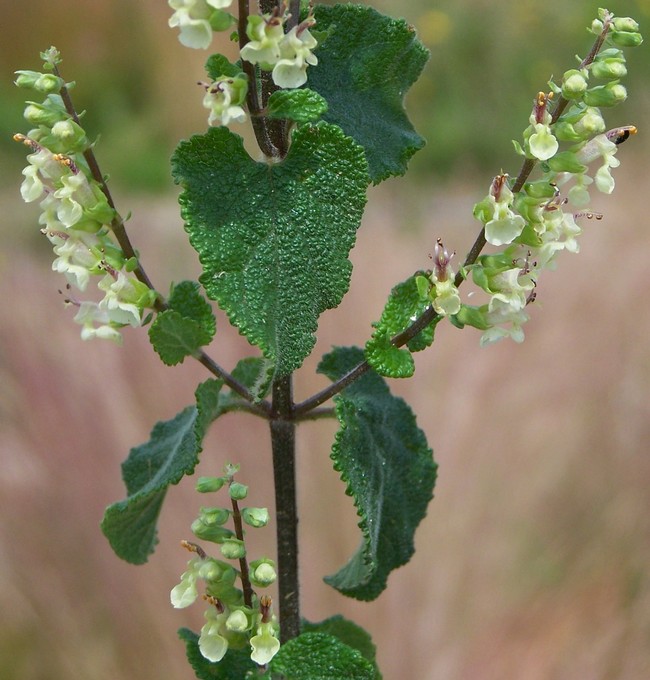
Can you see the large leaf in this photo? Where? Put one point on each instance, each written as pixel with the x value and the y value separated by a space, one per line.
pixel 171 452
pixel 319 656
pixel 365 66
pixel 349 633
pixel 384 459
pixel 274 238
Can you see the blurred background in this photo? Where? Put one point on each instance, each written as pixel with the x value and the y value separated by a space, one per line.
pixel 533 560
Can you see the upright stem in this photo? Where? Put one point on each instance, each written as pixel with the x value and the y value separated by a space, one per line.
pixel 283 443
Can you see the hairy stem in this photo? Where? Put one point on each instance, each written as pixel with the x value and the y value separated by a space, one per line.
pixel 283 442
pixel 243 562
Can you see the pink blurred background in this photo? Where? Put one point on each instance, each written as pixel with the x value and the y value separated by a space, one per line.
pixel 533 560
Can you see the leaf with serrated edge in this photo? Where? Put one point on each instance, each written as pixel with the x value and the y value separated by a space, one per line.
pixel 384 459
pixel 365 66
pixel 348 633
pixel 403 306
pixel 319 656
pixel 171 452
pixel 274 238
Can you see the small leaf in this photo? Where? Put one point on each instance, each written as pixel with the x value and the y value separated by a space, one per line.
pixel 319 656
pixel 236 665
pixel 388 360
pixel 303 106
pixel 274 238
pixel 365 67
pixel 384 459
pixel 186 326
pixel 217 65
pixel 405 304
pixel 171 452
pixel 349 633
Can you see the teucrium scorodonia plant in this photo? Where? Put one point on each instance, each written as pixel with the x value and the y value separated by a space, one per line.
pixel 323 88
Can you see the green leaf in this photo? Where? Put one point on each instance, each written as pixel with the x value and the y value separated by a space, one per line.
pixel 236 665
pixel 303 106
pixel 365 66
pixel 319 656
pixel 404 305
pixel 274 238
pixel 186 326
pixel 217 65
pixel 349 633
pixel 171 452
pixel 384 459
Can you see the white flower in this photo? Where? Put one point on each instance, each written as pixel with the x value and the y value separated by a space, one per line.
pixel 193 19
pixel 265 645
pixel 296 53
pixel 224 98
pixel 212 644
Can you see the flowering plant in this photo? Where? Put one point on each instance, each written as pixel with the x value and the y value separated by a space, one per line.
pixel 323 89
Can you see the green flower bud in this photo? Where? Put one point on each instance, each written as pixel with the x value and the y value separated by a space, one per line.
pixel 540 189
pixel 214 516
pixel 255 517
pixel 625 39
pixel 606 95
pixel 42 114
pixel 625 24
pixel 472 316
pixel 237 621
pixel 262 573
pixel 221 21
pixel 41 82
pixel 238 491
pixel 590 124
pixel 609 65
pixel 208 484
pixel 574 84
pixel 210 532
pixel 233 549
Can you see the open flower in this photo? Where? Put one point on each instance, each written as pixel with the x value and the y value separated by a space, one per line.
pixel 193 17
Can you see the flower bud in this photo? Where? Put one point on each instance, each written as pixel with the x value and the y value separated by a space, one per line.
pixel 237 621
pixel 214 516
pixel 255 517
pixel 262 573
pixel 606 95
pixel 42 114
pixel 41 82
pixel 238 491
pixel 610 67
pixel 592 123
pixel 208 484
pixel 210 532
pixel 233 549
pixel 626 24
pixel 626 39
pixel 574 84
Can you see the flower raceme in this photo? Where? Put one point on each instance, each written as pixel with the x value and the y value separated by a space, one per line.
pixel 75 213
pixel 285 54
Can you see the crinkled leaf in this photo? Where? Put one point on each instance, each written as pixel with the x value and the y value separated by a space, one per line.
pixel 171 452
pixel 365 66
pixel 274 238
pixel 403 307
pixel 256 373
pixel 384 459
pixel 319 656
pixel 186 326
pixel 236 664
pixel 349 633
pixel 303 106
pixel 217 65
